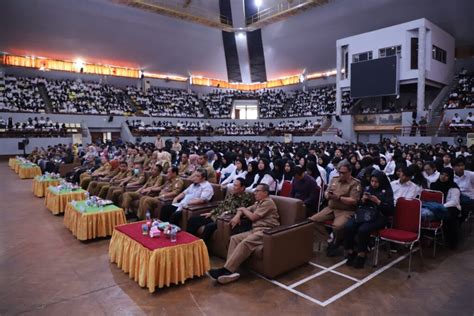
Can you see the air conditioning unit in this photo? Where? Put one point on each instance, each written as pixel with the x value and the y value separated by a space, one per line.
pixel 469 139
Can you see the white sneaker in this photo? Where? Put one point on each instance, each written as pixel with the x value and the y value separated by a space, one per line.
pixel 228 278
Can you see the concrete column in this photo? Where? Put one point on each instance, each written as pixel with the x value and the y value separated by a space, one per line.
pixel 338 79
pixel 420 96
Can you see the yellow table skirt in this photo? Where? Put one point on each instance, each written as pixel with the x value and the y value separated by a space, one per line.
pixel 160 267
pixel 92 225
pixel 12 162
pixel 56 203
pixel 29 173
pixel 40 187
pixel 17 167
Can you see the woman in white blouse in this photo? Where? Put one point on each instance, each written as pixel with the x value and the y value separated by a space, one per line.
pixel 240 171
pixel 452 202
pixel 263 176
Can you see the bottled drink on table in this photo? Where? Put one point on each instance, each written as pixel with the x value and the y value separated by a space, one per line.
pixel 173 234
pixel 148 218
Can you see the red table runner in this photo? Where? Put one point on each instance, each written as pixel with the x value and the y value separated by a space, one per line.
pixel 134 231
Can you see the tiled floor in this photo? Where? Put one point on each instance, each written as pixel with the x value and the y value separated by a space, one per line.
pixel 44 270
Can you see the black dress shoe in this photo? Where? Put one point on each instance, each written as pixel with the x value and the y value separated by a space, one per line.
pixel 333 251
pixel 359 262
pixel 350 258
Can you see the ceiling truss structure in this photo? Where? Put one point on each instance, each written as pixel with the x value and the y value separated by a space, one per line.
pixel 189 12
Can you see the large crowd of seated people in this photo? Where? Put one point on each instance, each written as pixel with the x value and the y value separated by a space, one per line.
pixel 319 101
pixel 69 96
pixel 167 102
pixel 18 94
pixel 182 128
pixel 356 176
pixel 462 95
pixel 36 127
pixel 219 103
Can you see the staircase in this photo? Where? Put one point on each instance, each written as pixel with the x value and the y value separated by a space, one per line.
pixel 48 106
pixel 327 122
pixel 436 115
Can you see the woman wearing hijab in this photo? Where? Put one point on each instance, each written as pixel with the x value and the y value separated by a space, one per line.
pixel 228 166
pixel 374 207
pixel 240 171
pixel 289 171
pixel 252 169
pixel 452 195
pixel 313 171
pixel 264 175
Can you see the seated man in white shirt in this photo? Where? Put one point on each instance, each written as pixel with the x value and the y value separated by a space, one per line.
pixel 470 118
pixel 199 192
pixel 456 118
pixel 465 180
pixel 403 187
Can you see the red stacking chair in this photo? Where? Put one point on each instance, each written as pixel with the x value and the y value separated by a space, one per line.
pixel 285 189
pixel 433 226
pixel 406 227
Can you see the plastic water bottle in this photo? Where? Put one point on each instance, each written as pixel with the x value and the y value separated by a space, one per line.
pixel 173 234
pixel 148 218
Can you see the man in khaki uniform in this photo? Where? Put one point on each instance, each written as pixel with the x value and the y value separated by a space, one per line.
pixel 155 180
pixel 343 194
pixel 172 187
pixel 101 187
pixel 134 181
pixel 183 165
pixel 264 215
pixel 203 163
pixel 86 177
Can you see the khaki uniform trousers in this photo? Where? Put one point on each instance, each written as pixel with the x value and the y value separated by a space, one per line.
pixel 149 203
pixel 340 218
pixel 128 198
pixel 103 191
pixel 114 194
pixel 242 246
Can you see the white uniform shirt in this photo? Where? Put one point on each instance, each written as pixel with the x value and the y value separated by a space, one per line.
pixel 203 191
pixel 407 190
pixel 466 183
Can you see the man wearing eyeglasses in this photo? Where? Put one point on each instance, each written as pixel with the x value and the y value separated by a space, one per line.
pixel 342 194
pixel 264 215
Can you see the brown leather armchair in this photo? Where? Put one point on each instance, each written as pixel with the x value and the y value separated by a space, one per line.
pixel 285 247
pixel 196 210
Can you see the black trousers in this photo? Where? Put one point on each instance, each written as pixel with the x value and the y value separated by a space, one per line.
pixel 169 214
pixel 452 227
pixel 361 231
pixel 195 222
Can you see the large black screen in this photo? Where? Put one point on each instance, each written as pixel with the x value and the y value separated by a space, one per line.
pixel 376 77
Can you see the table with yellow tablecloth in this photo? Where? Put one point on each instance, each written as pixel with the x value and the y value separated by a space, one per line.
pixel 12 162
pixel 41 184
pixel 28 171
pixel 157 262
pixel 88 222
pixel 56 200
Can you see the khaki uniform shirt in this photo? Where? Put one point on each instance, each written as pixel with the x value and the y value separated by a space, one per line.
pixel 268 213
pixel 121 175
pixel 153 181
pixel 176 186
pixel 348 189
pixel 104 168
pixel 211 173
pixel 183 168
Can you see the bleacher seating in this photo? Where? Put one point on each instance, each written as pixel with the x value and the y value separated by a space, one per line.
pixel 18 94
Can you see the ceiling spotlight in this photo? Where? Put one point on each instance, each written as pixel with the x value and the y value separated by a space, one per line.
pixel 241 35
pixel 258 3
